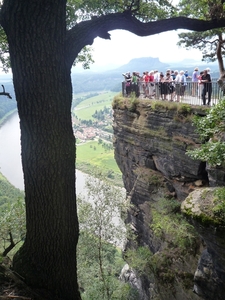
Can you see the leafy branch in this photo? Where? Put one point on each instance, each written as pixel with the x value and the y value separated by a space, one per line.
pixel 211 129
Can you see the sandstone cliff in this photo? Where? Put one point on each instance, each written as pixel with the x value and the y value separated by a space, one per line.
pixel 164 250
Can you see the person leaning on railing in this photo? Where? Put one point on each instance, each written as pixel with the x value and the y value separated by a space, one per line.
pixel 207 88
pixel 127 78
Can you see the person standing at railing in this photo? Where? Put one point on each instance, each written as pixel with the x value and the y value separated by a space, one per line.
pixel 168 85
pixel 175 84
pixel 161 86
pixel 200 84
pixel 194 82
pixel 151 84
pixel 142 83
pixel 146 79
pixel 156 80
pixel 181 83
pixel 207 88
pixel 127 78
pixel 134 84
pixel 172 87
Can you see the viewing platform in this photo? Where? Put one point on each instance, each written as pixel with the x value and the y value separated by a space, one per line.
pixel 192 94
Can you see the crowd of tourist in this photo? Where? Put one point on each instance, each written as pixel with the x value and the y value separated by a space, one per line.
pixel 169 86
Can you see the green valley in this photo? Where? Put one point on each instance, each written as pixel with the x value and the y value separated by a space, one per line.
pixel 92 123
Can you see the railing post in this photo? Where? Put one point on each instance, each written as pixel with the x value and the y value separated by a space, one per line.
pixel 123 88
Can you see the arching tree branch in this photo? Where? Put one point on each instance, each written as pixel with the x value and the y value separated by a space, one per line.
pixel 99 26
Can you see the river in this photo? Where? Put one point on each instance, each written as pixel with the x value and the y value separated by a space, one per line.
pixel 10 155
pixel 11 166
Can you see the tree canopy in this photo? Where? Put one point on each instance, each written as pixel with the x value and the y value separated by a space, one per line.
pixel 210 42
pixel 89 19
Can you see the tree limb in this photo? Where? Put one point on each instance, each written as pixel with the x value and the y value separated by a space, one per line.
pixel 11 245
pixel 4 93
pixel 85 32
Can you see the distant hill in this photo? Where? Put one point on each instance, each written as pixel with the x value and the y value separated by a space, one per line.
pixel 111 80
pixel 190 64
pixel 143 64
pixel 89 81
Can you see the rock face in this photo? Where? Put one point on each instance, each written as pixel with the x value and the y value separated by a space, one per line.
pixel 151 140
pixel 207 215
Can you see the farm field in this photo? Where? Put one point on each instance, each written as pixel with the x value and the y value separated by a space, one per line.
pixel 87 108
pixel 92 157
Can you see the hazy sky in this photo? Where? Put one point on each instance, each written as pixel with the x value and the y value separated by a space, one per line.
pixel 125 46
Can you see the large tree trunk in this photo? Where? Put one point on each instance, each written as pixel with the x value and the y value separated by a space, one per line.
pixel 36 34
pixel 220 62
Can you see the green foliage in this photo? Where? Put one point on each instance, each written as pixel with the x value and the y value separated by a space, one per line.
pixel 206 41
pixel 100 231
pixel 12 216
pixel 211 129
pixel 101 114
pixel 219 204
pixel 139 258
pixel 179 240
pixel 132 102
pixel 85 58
pixel 12 225
pixel 4 51
pixel 118 101
pixel 212 152
pixel 185 109
pixel 203 9
pixel 88 9
pixel 169 225
pixel 107 202
pixel 8 193
pixel 92 284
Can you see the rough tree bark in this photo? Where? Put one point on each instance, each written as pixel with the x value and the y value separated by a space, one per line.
pixel 42 83
pixel 42 52
pixel 219 55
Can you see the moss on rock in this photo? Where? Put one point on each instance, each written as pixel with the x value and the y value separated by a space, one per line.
pixel 202 205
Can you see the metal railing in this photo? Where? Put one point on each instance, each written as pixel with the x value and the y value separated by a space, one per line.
pixel 192 93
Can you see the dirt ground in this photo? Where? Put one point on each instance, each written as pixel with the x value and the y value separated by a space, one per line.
pixel 13 288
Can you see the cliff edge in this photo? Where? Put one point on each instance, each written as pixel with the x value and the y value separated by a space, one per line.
pixel 164 249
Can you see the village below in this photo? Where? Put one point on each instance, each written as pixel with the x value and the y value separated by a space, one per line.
pixel 92 125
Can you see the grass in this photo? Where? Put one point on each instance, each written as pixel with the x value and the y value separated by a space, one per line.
pixel 92 152
pixel 87 108
pixel 92 156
